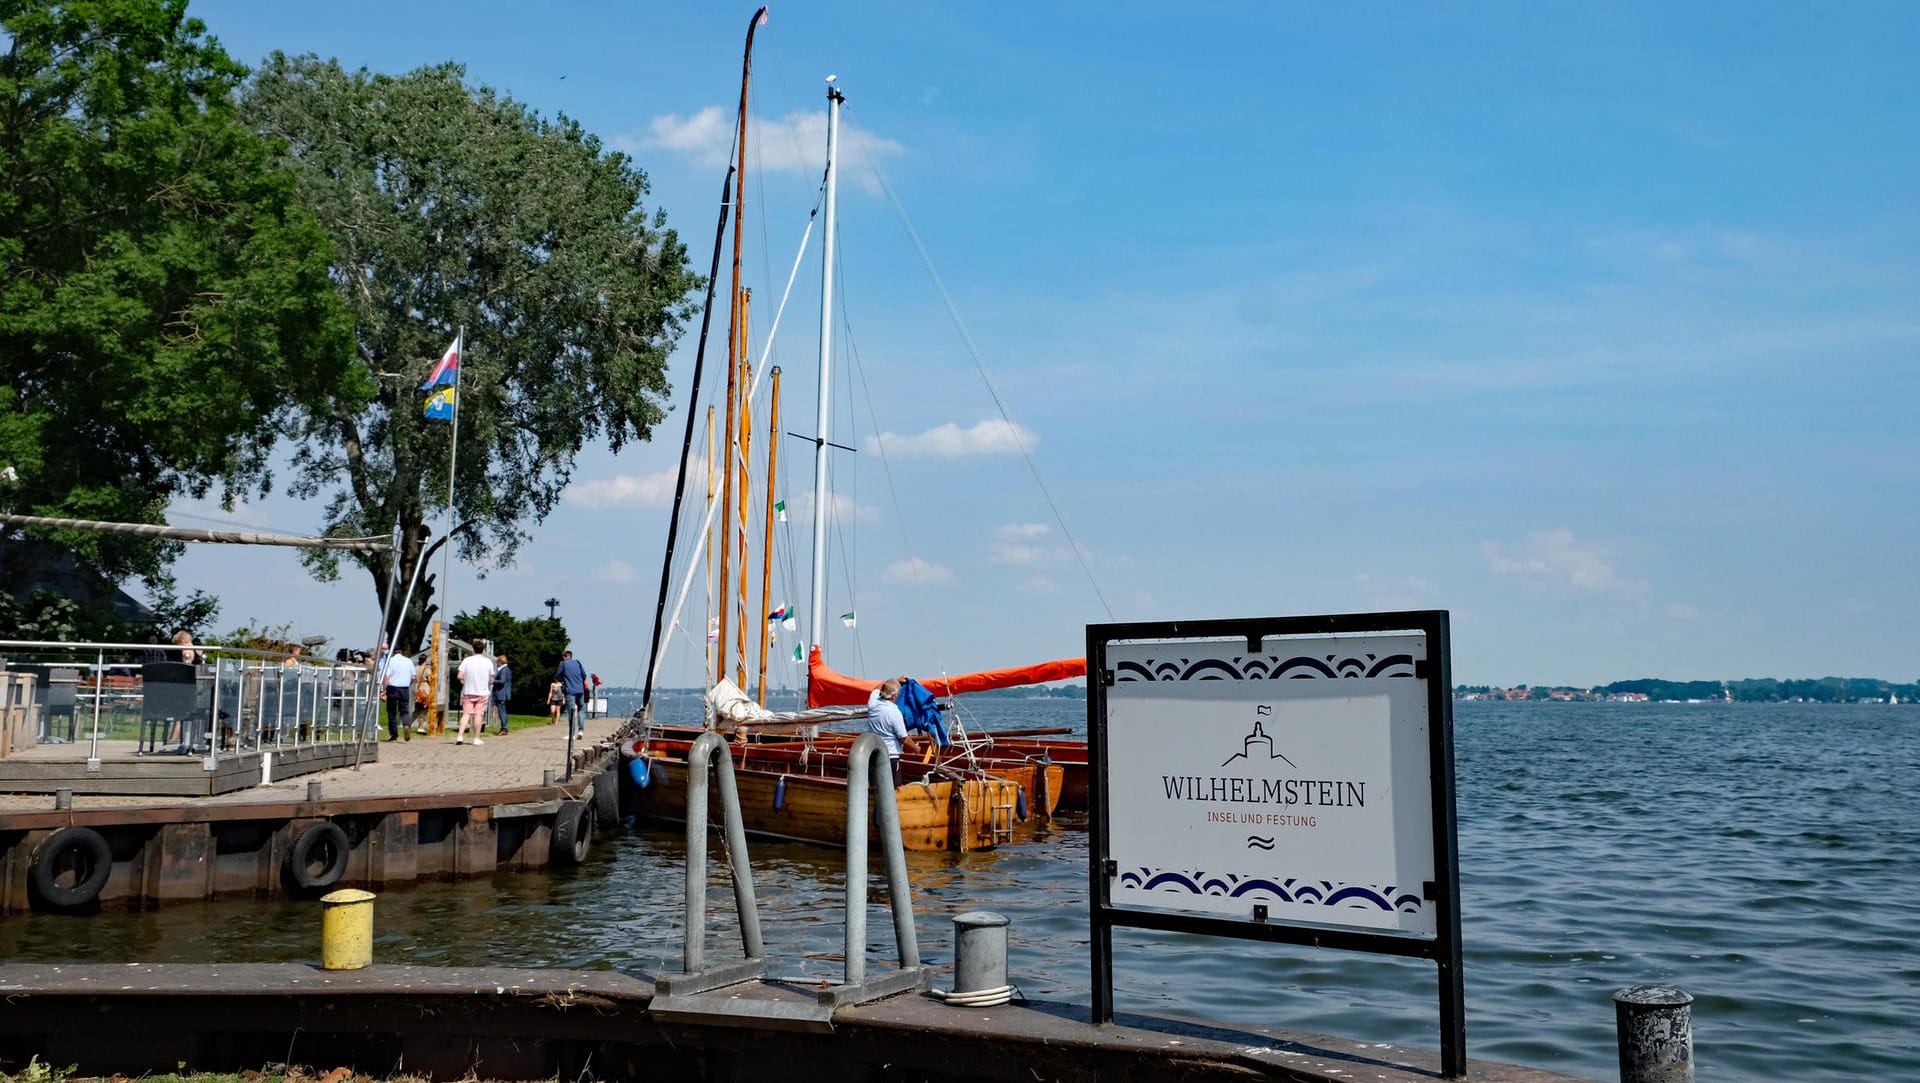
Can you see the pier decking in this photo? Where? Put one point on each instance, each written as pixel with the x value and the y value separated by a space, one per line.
pixel 425 809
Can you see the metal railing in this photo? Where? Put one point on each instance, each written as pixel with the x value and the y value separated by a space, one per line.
pixel 242 700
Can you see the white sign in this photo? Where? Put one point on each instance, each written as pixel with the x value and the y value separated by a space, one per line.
pixel 1295 778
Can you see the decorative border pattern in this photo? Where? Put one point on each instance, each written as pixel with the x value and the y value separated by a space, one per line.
pixel 1304 892
pixel 1264 667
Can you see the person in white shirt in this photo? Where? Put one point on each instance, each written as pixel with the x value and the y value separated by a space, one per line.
pixel 397 677
pixel 884 718
pixel 476 687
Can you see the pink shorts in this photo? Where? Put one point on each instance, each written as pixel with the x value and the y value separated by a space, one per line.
pixel 472 704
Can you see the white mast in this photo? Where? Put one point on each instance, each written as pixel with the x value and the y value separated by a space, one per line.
pixel 817 591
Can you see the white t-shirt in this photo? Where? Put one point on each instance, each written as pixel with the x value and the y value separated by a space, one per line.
pixel 476 676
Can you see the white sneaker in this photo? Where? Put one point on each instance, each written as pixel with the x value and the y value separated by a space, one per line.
pixel 478 741
pixel 459 740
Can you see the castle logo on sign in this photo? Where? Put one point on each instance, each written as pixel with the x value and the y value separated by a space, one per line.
pixel 1270 779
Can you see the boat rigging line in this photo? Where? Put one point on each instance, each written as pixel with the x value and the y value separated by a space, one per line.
pixel 973 351
pixel 699 362
pixel 734 461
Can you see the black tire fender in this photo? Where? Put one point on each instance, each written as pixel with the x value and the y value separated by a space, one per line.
pixel 318 857
pixel 80 851
pixel 572 833
pixel 606 796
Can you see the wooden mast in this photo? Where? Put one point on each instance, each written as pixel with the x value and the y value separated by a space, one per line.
pixel 766 549
pixel 743 492
pixel 706 649
pixel 733 329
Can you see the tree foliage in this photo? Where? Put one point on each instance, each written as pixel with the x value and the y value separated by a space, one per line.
pixel 453 206
pixel 532 645
pixel 165 302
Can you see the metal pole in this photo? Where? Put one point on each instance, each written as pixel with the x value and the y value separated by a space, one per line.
pixel 868 759
pixel 817 593
pixel 1655 1029
pixel 386 608
pixel 99 691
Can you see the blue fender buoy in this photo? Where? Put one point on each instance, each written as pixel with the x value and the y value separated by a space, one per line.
pixel 637 770
pixel 1020 804
pixel 780 794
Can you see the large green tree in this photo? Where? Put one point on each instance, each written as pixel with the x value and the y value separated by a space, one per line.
pixel 533 646
pixel 165 301
pixel 451 205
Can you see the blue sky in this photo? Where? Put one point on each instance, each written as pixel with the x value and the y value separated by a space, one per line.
pixel 1597 327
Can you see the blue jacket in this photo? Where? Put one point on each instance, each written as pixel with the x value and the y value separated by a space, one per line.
pixel 503 684
pixel 922 711
pixel 572 677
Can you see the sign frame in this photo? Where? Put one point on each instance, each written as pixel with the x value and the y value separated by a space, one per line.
pixel 1443 947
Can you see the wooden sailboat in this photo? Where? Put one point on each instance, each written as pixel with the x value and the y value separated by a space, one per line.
pixel 940 808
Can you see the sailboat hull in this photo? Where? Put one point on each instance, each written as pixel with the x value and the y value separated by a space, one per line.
pixel 935 815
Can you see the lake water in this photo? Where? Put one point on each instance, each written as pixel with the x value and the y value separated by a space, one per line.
pixel 1763 857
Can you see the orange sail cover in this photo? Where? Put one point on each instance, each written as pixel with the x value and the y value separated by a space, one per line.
pixel 825 688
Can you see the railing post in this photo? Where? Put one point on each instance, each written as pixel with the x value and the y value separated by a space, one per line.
pixel 696 976
pixel 99 693
pixel 867 760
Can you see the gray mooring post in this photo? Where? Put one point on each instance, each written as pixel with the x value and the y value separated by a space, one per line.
pixel 979 952
pixel 1655 1024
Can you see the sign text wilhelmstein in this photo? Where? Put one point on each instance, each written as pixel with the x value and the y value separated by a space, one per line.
pixel 1335 793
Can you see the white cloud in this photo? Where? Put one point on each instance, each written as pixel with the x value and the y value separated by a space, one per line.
pixel 1039 584
pixel 635 490
pixel 1682 611
pixel 615 571
pixel 796 143
pixel 1555 558
pixel 1014 543
pixel 990 437
pixel 917 571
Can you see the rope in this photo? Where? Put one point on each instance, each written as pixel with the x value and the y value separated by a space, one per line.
pixel 978 998
pixel 973 351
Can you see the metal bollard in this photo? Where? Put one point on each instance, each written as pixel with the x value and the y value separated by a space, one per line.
pixel 980 957
pixel 313 789
pixel 547 777
pixel 63 799
pixel 346 930
pixel 1655 1024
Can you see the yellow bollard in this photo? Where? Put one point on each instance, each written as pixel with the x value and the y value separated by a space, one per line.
pixel 346 930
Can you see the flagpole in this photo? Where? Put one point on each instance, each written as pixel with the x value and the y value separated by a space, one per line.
pixel 446 536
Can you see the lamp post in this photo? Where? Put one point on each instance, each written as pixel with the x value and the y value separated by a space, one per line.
pixel 551 604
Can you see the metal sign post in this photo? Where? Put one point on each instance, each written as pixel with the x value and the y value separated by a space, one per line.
pixel 1285 779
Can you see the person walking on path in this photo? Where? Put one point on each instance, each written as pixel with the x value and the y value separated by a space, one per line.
pixel 593 695
pixel 396 676
pixel 573 682
pixel 502 689
pixel 556 699
pixel 476 688
pixel 884 718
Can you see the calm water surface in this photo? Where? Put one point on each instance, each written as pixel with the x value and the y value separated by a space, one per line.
pixel 1760 856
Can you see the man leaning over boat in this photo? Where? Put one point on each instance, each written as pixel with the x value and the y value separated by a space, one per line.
pixel 884 718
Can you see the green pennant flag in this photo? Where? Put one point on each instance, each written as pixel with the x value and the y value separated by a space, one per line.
pixel 846 619
pixel 798 653
pixel 780 511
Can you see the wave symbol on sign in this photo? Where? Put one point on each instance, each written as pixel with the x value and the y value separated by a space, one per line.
pixel 1257 842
